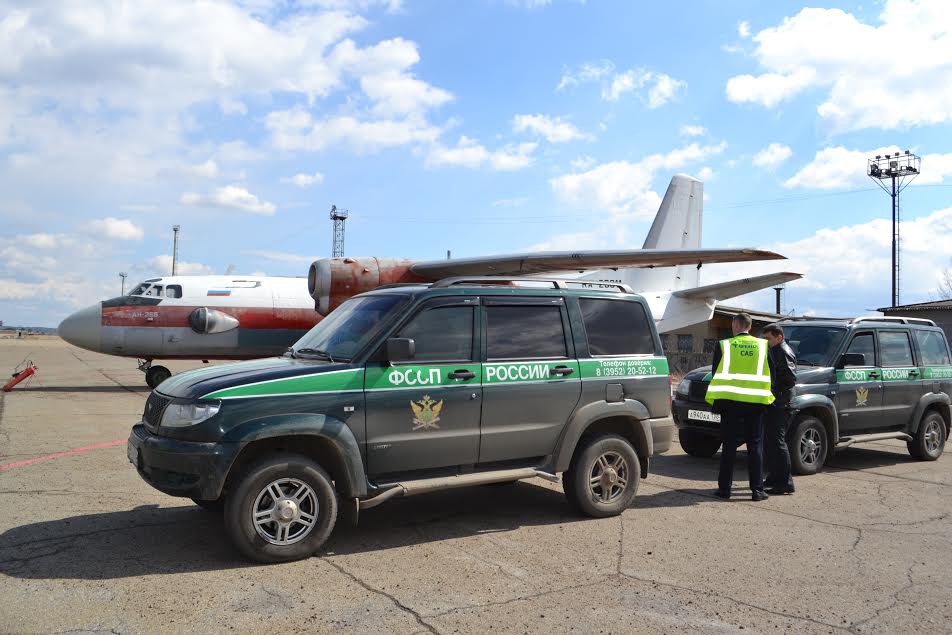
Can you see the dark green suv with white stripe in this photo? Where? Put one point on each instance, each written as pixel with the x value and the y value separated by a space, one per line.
pixel 416 388
pixel 858 380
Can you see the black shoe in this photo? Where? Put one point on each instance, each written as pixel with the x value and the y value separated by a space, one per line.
pixel 722 494
pixel 780 491
pixel 759 495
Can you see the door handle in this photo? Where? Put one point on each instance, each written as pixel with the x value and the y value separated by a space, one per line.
pixel 913 373
pixel 561 371
pixel 874 374
pixel 462 374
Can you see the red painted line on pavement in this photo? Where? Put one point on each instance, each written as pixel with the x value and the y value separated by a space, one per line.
pixel 58 455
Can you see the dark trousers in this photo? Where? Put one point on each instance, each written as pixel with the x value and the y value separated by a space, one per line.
pixel 775 446
pixel 741 421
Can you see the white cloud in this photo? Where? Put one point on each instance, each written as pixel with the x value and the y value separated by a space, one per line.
pixel 839 167
pixel 471 154
pixel 304 180
pixel 230 197
pixel 511 202
pixel 656 89
pixel 41 241
pixel 280 256
pixel 622 187
pixel 162 265
pixel 772 156
pixel 583 162
pixel 688 130
pixel 554 129
pixel 892 74
pixel 207 170
pixel 705 173
pixel 297 130
pixel 743 29
pixel 116 229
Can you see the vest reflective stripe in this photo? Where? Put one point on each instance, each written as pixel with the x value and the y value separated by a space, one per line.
pixel 739 376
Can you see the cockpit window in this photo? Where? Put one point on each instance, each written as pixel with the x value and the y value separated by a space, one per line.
pixel 173 291
pixel 155 290
pixel 140 290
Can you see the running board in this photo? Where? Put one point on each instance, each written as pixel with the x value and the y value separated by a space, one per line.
pixel 846 442
pixel 426 485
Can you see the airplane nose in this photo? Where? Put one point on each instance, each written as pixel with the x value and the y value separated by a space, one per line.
pixel 83 328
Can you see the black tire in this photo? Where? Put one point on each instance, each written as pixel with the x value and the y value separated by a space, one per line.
pixel 929 440
pixel 620 458
pixel 217 506
pixel 698 443
pixel 809 445
pixel 251 491
pixel 156 375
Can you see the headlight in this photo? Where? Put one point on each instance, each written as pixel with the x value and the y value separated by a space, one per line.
pixel 182 415
pixel 684 388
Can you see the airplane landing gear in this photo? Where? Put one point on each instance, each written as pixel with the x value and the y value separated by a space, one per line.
pixel 154 375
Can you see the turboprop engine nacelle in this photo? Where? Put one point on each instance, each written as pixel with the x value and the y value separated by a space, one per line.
pixel 330 281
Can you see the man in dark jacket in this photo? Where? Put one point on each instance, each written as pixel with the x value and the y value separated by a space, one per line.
pixel 783 378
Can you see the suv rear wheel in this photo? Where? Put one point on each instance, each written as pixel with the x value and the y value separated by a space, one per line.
pixel 808 445
pixel 698 444
pixel 603 477
pixel 929 441
pixel 282 508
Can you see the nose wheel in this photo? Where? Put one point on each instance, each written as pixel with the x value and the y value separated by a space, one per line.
pixel 154 375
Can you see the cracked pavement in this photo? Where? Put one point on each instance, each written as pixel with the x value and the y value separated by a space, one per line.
pixel 87 547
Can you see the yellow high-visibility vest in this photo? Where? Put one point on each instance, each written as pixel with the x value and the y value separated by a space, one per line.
pixel 743 373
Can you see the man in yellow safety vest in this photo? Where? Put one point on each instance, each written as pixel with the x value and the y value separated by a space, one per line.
pixel 740 392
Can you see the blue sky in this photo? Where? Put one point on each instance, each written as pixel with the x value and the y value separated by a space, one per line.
pixel 481 127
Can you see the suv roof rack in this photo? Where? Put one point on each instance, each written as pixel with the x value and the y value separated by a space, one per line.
pixel 898 320
pixel 557 283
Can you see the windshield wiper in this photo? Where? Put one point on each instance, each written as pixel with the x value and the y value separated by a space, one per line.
pixel 315 352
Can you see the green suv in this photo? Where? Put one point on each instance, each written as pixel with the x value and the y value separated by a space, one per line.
pixel 416 388
pixel 865 379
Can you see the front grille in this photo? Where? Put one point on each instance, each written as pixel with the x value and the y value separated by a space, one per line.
pixel 698 390
pixel 155 406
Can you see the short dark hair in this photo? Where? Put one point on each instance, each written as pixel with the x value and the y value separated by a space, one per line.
pixel 773 329
pixel 744 320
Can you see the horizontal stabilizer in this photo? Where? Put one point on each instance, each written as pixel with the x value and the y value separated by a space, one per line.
pixel 551 262
pixel 734 288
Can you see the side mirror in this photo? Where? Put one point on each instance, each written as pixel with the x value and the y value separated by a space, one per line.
pixel 851 359
pixel 400 349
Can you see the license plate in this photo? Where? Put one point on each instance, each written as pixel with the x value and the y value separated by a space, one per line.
pixel 132 453
pixel 704 415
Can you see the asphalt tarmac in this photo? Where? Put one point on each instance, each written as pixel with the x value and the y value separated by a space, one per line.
pixel 87 546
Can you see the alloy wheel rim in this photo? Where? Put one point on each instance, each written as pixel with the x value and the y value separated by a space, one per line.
pixel 810 446
pixel 608 477
pixel 932 436
pixel 285 511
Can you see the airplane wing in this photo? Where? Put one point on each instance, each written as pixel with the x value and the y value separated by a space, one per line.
pixel 734 288
pixel 554 261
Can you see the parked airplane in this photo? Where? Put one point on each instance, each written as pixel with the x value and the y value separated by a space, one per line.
pixel 246 317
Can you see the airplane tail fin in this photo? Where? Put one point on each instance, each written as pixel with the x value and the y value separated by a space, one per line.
pixel 677 225
pixel 691 306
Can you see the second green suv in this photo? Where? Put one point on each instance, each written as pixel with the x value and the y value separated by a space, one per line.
pixel 411 389
pixel 866 379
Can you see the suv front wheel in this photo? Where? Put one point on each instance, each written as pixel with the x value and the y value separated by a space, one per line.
pixel 808 445
pixel 603 477
pixel 929 441
pixel 282 508
pixel 698 443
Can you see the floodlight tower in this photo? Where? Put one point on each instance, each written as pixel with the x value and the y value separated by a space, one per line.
pixel 338 216
pixel 123 274
pixel 175 231
pixel 898 170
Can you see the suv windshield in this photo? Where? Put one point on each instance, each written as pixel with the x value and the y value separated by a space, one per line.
pixel 813 344
pixel 348 327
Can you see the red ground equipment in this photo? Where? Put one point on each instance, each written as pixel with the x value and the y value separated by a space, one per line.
pixel 19 376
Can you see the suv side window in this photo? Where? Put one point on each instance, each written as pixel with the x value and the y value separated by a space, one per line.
pixel 864 344
pixel 442 334
pixel 933 348
pixel 896 349
pixel 614 327
pixel 525 332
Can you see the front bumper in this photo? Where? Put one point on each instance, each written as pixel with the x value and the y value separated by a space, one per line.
pixel 180 468
pixel 679 410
